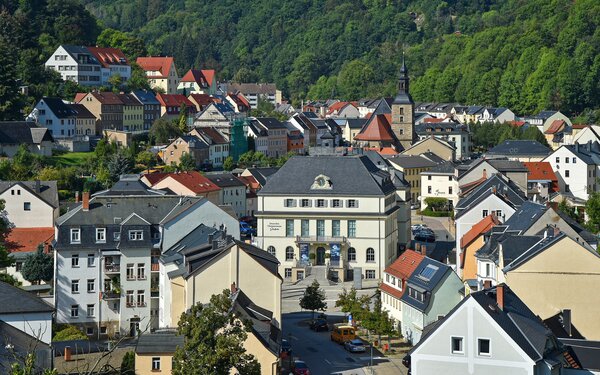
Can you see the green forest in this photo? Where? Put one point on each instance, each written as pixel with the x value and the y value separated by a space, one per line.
pixel 527 55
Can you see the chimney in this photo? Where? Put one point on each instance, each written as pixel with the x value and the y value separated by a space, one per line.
pixel 500 296
pixel 566 317
pixel 424 250
pixel 233 287
pixel 484 173
pixel 417 247
pixel 38 186
pixel 86 201
pixel 77 197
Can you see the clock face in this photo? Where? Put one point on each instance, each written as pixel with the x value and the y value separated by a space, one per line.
pixel 321 181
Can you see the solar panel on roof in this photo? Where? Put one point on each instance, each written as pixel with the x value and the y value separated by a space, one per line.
pixel 428 272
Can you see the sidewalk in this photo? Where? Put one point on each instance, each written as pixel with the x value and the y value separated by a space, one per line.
pixel 391 366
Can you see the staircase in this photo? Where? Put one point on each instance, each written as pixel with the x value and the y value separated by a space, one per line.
pixel 318 273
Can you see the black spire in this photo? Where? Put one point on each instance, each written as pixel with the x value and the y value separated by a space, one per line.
pixel 403 80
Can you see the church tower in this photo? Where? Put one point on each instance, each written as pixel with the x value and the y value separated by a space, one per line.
pixel 403 108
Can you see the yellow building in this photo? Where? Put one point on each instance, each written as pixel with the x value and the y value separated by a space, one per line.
pixel 154 352
pixel 133 113
pixel 412 166
pixel 161 72
pixel 435 145
pixel 559 274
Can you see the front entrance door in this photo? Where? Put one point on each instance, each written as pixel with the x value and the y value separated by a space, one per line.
pixel 320 256
pixel 134 328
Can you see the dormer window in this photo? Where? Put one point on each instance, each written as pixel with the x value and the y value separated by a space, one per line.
pixel 136 235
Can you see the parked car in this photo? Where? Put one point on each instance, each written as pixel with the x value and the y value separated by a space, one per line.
pixel 246 230
pixel 425 236
pixel 300 368
pixel 319 325
pixel 343 333
pixel 249 220
pixel 286 347
pixel 406 362
pixel 355 346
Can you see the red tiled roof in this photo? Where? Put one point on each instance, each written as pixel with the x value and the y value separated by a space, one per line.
pixel 174 100
pixel 391 290
pixel 540 170
pixel 107 97
pixel 239 100
pixel 517 123
pixel 555 127
pixel 153 178
pixel 336 107
pixel 580 126
pixel 405 265
pixel 382 150
pixel 209 74
pixel 79 96
pixel 215 136
pixel 194 181
pixel 109 56
pixel 250 182
pixel 377 129
pixel 194 75
pixel 27 239
pixel 160 64
pixel 478 229
pixel 203 99
pixel 434 120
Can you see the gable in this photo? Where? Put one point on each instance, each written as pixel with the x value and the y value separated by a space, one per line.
pixel 491 202
pixel 476 172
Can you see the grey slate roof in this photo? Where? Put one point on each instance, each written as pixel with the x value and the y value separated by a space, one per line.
pixel 18 132
pixel 513 246
pixel 587 352
pixel 15 300
pixel 263 174
pixel 525 216
pixel 504 189
pixel 423 285
pixel 412 161
pixel 356 123
pixel 224 180
pixel 520 147
pixel 58 107
pixel 159 343
pixel 146 97
pixel 81 111
pixel 350 176
pixel 441 128
pixel 589 153
pixel 48 189
pixel 534 250
pixel 446 167
pixel 270 123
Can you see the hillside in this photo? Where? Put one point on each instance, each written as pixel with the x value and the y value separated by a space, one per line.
pixel 524 54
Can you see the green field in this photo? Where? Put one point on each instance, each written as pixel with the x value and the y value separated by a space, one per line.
pixel 71 159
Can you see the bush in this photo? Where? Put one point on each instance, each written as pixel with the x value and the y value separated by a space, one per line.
pixel 128 364
pixel 436 204
pixel 429 212
pixel 69 333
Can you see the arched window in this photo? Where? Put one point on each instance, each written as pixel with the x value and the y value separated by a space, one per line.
pixel 351 254
pixel 370 255
pixel 289 253
pixel 271 250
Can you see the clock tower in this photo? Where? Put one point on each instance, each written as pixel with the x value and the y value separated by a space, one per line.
pixel 403 108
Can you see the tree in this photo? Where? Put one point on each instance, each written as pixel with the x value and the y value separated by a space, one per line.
pixel 569 210
pixel 214 340
pixel 115 81
pixel 6 260
pixel 592 209
pixel 120 164
pixel 10 99
pixel 69 333
pixel 162 131
pixel 314 298
pixel 228 163
pixel 378 321
pixel 146 158
pixel 9 279
pixel 436 204
pixel 187 162
pixel 351 304
pixel 128 364
pixel 182 122
pixel 38 266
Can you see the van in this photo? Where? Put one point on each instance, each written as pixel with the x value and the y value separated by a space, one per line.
pixel 341 334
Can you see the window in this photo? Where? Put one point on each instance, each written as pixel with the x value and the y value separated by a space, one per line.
pixel 90 311
pixel 488 270
pixel 428 272
pixel 141 271
pixel 289 253
pixel 136 235
pixel 574 160
pixel 103 330
pixel 335 228
pixel 74 311
pixel 91 260
pixel 289 228
pixel 450 190
pixel 567 160
pixel 117 236
pixel 321 203
pixel 449 178
pixel 74 286
pixel 457 345
pixel 304 227
pixel 483 347
pixel 89 331
pixel 130 271
pixel 76 235
pixel 129 299
pixel 351 228
pixel 498 213
pixel 352 203
pixel 370 274
pixel 290 203
pixel 155 363
pixel 351 254
pixel 91 285
pixel 335 203
pixel 485 213
pixel 567 173
pixel 305 203
pixel 370 255
pixel 287 273
pixel 567 189
pixel 320 228
pixel 557 159
pixel 428 189
pixel 75 260
pixel 101 235
pixel 141 299
pixel 27 206
pixel 271 250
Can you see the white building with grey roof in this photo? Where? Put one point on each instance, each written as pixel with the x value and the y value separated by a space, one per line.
pixel 335 212
pixel 107 251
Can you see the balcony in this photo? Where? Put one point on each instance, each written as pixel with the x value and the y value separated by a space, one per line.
pixel 322 239
pixel 154 294
pixel 110 294
pixel 154 267
pixel 112 268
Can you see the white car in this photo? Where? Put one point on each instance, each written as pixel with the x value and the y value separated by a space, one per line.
pixel 354 346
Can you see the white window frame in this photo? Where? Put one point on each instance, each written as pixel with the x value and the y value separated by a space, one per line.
pixel 100 235
pixel 91 260
pixel 155 363
pixel 462 345
pixel 75 309
pixel 479 353
pixel 93 307
pixel 87 285
pixel 75 286
pixel 136 235
pixel 74 260
pixel 75 235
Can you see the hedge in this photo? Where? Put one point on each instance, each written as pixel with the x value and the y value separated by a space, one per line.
pixel 428 212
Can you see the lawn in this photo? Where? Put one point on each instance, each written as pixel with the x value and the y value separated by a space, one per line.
pixel 71 159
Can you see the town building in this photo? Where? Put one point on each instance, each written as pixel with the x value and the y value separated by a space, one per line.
pixel 474 173
pixel 412 167
pixel 498 115
pixel 196 147
pixel 402 110
pixel 161 73
pixel 107 251
pixel 255 91
pixel 276 136
pixel 440 181
pixel 13 134
pixel 232 191
pixel 85 121
pixel 455 133
pixel 197 82
pixel 295 139
pixel 217 115
pixel 378 133
pixel 192 184
pixel 521 150
pixel 30 204
pixel 133 113
pixel 541 181
pixel 339 212
pixel 77 64
pixel 343 110
pixel 239 103
pixel 57 116
pixel 472 241
pixel 113 61
pixel 171 104
pixel 439 147
pixel 217 142
pixel 151 107
pixel 22 242
pixel 107 107
pixel 154 352
pixel 489 332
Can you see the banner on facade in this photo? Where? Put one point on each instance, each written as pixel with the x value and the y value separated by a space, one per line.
pixel 334 251
pixel 303 252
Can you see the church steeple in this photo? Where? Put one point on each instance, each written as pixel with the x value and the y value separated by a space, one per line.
pixel 403 122
pixel 403 81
